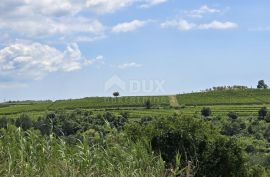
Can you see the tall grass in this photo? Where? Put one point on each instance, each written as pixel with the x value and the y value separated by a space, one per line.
pixel 28 154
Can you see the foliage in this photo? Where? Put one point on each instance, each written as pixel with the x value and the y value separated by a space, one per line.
pixel 116 94
pixel 147 104
pixel 29 154
pixel 262 85
pixel 206 112
pixel 3 122
pixel 232 115
pixel 262 112
pixel 24 122
pixel 196 141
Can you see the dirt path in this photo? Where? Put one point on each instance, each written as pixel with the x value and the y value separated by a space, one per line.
pixel 173 101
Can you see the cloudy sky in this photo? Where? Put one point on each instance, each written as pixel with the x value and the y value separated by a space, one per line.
pixel 56 49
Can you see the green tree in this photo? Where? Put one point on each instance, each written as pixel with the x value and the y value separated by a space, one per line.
pixel 262 85
pixel 116 94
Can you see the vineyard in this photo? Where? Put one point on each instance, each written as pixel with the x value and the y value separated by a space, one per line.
pixel 226 97
pixel 244 102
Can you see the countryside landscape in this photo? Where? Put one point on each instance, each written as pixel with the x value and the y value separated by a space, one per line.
pixel 223 131
pixel 134 88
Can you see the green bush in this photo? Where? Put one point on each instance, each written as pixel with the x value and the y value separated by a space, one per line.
pixel 196 141
pixel 232 115
pixel 3 122
pixel 24 122
pixel 206 112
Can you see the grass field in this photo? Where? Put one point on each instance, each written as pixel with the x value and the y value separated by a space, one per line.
pixel 244 102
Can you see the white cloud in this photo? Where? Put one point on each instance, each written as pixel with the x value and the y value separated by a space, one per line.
pixel 198 13
pixel 60 20
pixel 63 26
pixel 56 8
pixel 129 65
pixel 218 25
pixel 43 19
pixel 181 25
pixel 185 25
pixel 149 3
pixel 35 60
pixel 128 26
pixel 108 6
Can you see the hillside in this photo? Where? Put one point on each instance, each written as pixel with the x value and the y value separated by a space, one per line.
pixel 244 102
pixel 226 97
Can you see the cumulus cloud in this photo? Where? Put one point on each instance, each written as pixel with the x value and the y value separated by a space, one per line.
pixel 185 25
pixel 128 26
pixel 35 60
pixel 31 19
pixel 62 19
pixel 198 13
pixel 129 65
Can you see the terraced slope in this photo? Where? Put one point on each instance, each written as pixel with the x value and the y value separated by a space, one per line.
pixel 226 97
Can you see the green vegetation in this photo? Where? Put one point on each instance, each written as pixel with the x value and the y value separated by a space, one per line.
pixel 224 131
pixel 226 97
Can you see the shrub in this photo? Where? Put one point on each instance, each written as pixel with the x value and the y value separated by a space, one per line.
pixel 262 112
pixel 197 142
pixel 24 122
pixel 3 122
pixel 232 115
pixel 147 104
pixel 206 112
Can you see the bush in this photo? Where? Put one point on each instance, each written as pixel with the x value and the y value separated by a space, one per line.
pixel 3 122
pixel 147 104
pixel 24 122
pixel 206 112
pixel 232 115
pixel 197 142
pixel 262 112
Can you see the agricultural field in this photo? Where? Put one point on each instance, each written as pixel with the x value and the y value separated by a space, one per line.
pixel 226 97
pixel 85 103
pixel 245 103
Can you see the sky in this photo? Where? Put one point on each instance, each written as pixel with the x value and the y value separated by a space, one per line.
pixel 62 49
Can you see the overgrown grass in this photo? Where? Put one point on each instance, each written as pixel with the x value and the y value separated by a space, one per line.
pixel 27 154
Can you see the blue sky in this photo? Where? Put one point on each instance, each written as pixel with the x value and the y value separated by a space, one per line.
pixel 59 49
